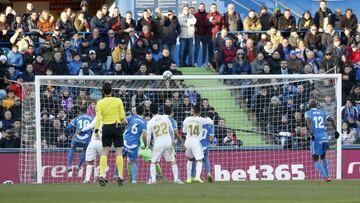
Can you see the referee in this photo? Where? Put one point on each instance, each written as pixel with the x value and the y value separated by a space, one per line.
pixel 110 113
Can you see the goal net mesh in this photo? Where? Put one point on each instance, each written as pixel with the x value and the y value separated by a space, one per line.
pixel 260 130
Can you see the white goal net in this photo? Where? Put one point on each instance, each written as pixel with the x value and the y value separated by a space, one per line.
pixel 260 129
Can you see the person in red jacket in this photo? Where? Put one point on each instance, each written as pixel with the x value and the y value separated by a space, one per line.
pixel 354 54
pixel 228 54
pixel 216 24
pixel 202 33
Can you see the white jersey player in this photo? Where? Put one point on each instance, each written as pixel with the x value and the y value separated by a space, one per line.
pixel 161 129
pixel 94 149
pixel 193 127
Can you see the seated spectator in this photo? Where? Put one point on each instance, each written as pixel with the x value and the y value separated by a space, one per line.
pixel 64 24
pixel 115 20
pixel 174 70
pixel 28 75
pixel 294 38
pixel 151 64
pixel 354 54
pixel 103 53
pixel 142 70
pixel 119 52
pixel 22 41
pixel 314 65
pixel 268 50
pixel 118 70
pixel 284 49
pixel 112 40
pixel 249 50
pixel 81 24
pixel 7 122
pixel 95 65
pixel 75 65
pixel 306 21
pixel 240 41
pixel 348 20
pixel 228 53
pixel 146 35
pixel 128 64
pixel 350 113
pixel 348 79
pixel 165 61
pixel 68 51
pixel 230 139
pixel 312 41
pixel 16 110
pixel 19 24
pixel 192 94
pixel 46 52
pixel 4 26
pixel 241 66
pixel 95 38
pixel 301 50
pixel 99 22
pixel 12 73
pixel 46 23
pixel 56 38
pixel 139 50
pixel 258 64
pixel 62 141
pixel 10 140
pixel 58 65
pixel 275 37
pixel 329 63
pixel 16 86
pixel 294 64
pixel 15 58
pixel 84 48
pixel 337 49
pixel 127 25
pixel 327 37
pixel 287 22
pixel 75 43
pixel 29 55
pixel 85 70
pixel 274 62
pixel 138 98
pixel 265 18
pixel 348 135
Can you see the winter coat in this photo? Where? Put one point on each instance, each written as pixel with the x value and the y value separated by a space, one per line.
pixel 100 24
pixel 217 22
pixel 233 22
pixel 202 25
pixel 187 26
pixel 171 30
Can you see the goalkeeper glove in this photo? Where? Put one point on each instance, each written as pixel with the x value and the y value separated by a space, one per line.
pixel 337 134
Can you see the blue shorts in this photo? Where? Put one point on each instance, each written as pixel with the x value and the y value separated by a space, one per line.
pixel 319 147
pixel 132 154
pixel 77 144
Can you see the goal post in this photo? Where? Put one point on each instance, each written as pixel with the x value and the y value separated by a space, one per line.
pixel 263 151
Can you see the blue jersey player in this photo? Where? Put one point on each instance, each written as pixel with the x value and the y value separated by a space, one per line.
pixel 136 126
pixel 207 139
pixel 316 123
pixel 80 139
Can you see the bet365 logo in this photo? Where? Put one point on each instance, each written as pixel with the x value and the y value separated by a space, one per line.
pixel 262 172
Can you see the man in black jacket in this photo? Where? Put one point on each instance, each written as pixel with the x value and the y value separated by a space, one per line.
pixel 58 65
pixel 348 20
pixel 151 64
pixel 323 16
pixel 10 140
pixel 170 32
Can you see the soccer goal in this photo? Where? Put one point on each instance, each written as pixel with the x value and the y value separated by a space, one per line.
pixel 260 130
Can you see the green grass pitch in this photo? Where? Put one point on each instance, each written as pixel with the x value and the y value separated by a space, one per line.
pixel 219 192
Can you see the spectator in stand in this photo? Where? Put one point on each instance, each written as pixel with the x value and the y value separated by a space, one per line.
pixel 286 23
pixel 15 58
pixel 64 24
pixel 348 135
pixel 103 53
pixel 81 24
pixel 218 45
pixel 75 65
pixel 252 24
pixel 187 24
pixel 268 50
pixel 115 20
pixel 202 34
pixel 294 64
pixel 170 32
pixel 118 70
pixel 128 64
pixel 139 50
pixel 85 70
pixel 284 49
pixel 349 20
pixel 99 22
pixel 159 22
pixel 33 24
pixel 314 65
pixel 7 122
pixel 57 38
pixel 23 42
pixel 215 19
pixel 70 13
pixel 143 70
pixel 328 36
pixel 312 41
pixel 147 36
pixel 151 64
pixel 265 19
pixel 241 66
pixel 165 61
pixel 323 16
pixel 12 73
pixel 105 11
pixel 95 65
pixel 58 65
pixel 306 21
pixel 28 11
pixel 174 70
pixel 75 43
pixel 232 20
pixel 127 25
pixel 119 52
pixel 329 63
pixel 228 53
pixel 348 79
pixel 10 15
pixel 28 75
pixel 337 17
pixel 274 62
pixel 46 24
pixel 349 113
pixel 4 26
pixel 257 65
pixel 249 50
pixel 19 24
pixel 94 39
pixel 275 37
pixel 10 140
pixel 148 21
pixel 84 9
pixel 46 51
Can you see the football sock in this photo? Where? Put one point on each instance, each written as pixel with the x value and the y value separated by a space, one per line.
pixel 88 172
pixel 207 166
pixel 134 171
pixel 70 157
pixel 193 169
pixel 120 166
pixel 103 164
pixel 82 158
pixel 158 169
pixel 199 165
pixel 175 171
pixel 188 169
pixel 129 168
pixel 153 172
pixel 319 167
pixel 325 167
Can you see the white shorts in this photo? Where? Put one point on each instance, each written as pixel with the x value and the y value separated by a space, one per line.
pixel 94 149
pixel 194 150
pixel 165 149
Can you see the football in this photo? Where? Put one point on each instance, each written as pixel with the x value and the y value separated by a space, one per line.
pixel 167 75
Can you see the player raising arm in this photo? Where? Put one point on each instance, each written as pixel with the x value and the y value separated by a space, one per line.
pixel 316 123
pixel 81 139
pixel 193 127
pixel 161 129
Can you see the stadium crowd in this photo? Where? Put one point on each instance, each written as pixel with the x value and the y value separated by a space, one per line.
pixel 80 43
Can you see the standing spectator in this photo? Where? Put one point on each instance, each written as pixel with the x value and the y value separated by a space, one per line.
pixel 64 24
pixel 127 25
pixel 349 20
pixel 170 32
pixel 232 20
pixel 337 17
pixel 257 65
pixel 215 19
pixel 187 23
pixel 84 9
pixel 46 24
pixel 28 75
pixel 202 34
pixel 265 19
pixel 99 22
pixel 4 26
pixel 58 65
pixel 287 22
pixel 323 16
pixel 115 20
pixel 19 24
pixel 81 24
pixel 29 10
pixel 252 24
pixel 159 23
pixel 148 21
pixel 306 21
